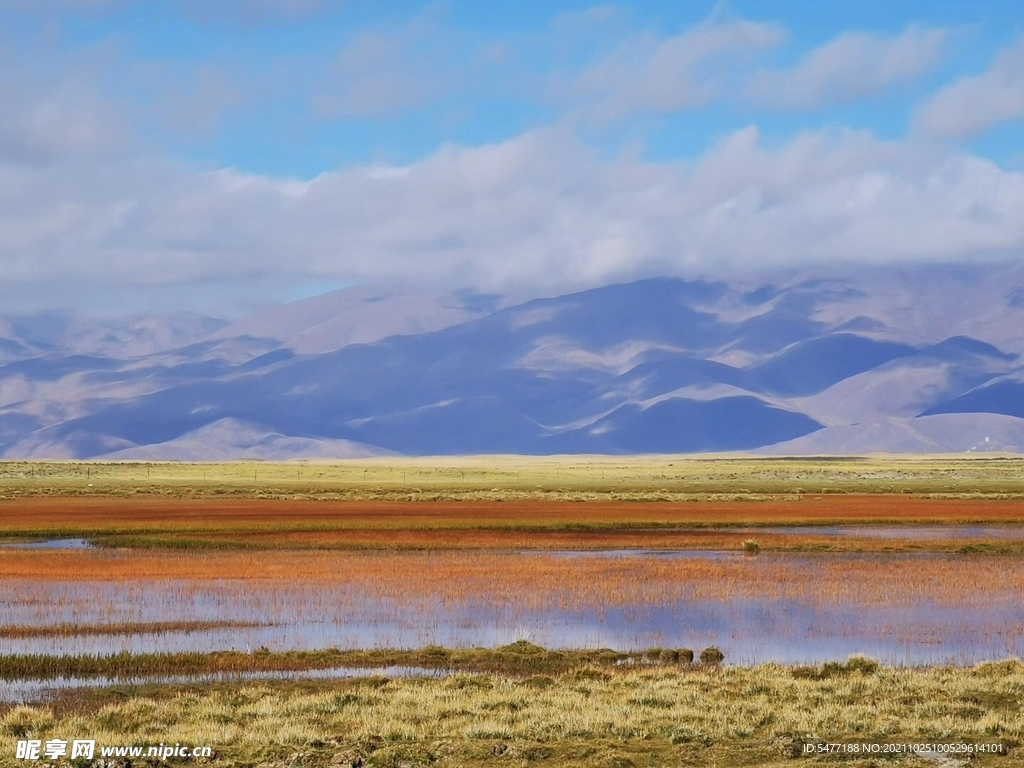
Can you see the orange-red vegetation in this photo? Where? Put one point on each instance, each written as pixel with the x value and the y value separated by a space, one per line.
pixel 105 514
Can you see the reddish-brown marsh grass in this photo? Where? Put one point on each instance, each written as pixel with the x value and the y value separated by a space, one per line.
pixel 555 540
pixel 97 516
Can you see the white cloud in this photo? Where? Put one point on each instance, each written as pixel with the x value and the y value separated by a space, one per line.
pixel 539 211
pixel 86 206
pixel 47 122
pixel 848 67
pixel 192 103
pixel 385 73
pixel 390 70
pixel 974 104
pixel 652 74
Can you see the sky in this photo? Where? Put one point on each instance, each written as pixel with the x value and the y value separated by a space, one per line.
pixel 217 155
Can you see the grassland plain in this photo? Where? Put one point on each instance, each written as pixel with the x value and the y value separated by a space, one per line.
pixel 350 529
pixel 516 477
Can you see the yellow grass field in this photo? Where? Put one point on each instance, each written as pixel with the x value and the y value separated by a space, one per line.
pixel 510 477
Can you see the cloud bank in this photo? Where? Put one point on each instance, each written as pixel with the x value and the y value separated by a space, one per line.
pixel 91 201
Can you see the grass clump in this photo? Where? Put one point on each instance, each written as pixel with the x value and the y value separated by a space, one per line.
pixel 855 664
pixel 26 722
pixel 712 656
pixel 523 647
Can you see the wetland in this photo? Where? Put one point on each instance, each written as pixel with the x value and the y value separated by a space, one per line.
pixel 220 585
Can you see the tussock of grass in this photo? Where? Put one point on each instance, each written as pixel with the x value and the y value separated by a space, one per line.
pixel 854 665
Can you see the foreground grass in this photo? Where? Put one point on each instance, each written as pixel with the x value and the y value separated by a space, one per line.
pixel 588 715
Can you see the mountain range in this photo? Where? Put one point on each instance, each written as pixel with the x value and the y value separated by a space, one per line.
pixel 928 358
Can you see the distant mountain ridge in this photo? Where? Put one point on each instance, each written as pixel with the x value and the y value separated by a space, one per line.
pixel 849 360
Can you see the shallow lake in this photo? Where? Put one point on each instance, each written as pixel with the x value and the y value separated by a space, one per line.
pixel 785 607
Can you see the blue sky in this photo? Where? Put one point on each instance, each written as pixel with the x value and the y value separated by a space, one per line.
pixel 221 152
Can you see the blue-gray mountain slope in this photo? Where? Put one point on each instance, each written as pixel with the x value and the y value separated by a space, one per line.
pixel 659 365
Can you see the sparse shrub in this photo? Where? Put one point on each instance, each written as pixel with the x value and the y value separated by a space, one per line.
pixel 711 656
pixel 668 656
pixel 685 656
pixel 862 664
pixel 751 547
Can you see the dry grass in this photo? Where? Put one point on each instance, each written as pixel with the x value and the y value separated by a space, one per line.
pixel 495 477
pixel 584 717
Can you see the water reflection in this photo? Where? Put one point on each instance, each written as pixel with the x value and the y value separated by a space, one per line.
pixel 26 691
pixel 47 544
pixel 969 533
pixel 752 625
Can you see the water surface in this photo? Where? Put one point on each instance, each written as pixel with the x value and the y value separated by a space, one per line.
pixel 761 620
pixel 28 691
pixel 47 544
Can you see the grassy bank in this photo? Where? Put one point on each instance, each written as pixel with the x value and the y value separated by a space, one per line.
pixel 518 658
pixel 585 715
